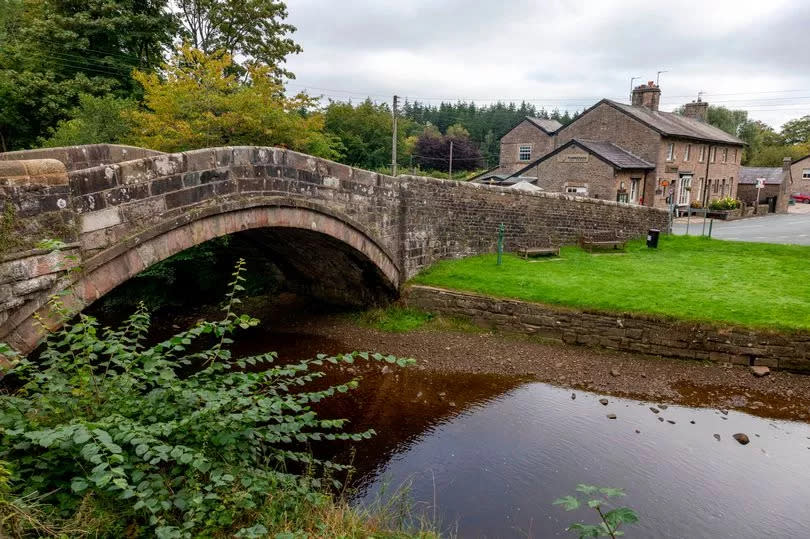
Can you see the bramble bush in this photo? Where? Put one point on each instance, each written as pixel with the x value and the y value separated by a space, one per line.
pixel 164 440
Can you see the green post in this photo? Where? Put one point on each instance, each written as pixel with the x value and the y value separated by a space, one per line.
pixel 500 244
pixel 711 222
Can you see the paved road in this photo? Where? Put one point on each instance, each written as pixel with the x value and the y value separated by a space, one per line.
pixel 793 227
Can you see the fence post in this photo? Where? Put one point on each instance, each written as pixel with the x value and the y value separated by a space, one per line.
pixel 500 244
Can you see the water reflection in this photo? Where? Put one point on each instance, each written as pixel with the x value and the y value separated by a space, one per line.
pixel 495 469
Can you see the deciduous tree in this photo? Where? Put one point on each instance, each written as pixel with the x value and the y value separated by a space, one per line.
pixel 198 102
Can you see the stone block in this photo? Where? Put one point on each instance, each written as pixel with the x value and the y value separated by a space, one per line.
pixel 98 220
pixel 23 288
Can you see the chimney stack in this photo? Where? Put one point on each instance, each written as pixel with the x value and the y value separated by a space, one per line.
pixel 647 96
pixel 696 109
pixel 786 162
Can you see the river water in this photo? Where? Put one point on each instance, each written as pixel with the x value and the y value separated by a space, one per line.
pixel 485 456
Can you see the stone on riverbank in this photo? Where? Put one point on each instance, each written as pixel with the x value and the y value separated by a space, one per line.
pixel 742 438
pixel 760 370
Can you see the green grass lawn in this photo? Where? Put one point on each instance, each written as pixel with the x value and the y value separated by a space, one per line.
pixel 749 284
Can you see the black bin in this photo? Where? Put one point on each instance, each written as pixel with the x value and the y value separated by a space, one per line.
pixel 652 238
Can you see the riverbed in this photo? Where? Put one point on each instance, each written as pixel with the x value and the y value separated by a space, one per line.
pixel 485 430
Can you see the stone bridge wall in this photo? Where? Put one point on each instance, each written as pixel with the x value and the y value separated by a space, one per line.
pixel 402 224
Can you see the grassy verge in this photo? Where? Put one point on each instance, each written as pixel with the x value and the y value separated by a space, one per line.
pixel 398 319
pixel 747 284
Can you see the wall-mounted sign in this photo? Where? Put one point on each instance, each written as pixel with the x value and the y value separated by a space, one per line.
pixel 671 168
pixel 664 183
pixel 760 183
pixel 574 158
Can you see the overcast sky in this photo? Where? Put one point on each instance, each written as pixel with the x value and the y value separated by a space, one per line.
pixel 569 54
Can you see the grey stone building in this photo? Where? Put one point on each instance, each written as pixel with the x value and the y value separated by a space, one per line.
pixel 800 172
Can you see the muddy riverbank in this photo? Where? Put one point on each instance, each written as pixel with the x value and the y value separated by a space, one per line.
pixel 780 395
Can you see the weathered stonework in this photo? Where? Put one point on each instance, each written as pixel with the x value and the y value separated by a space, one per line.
pixel 627 332
pixel 132 214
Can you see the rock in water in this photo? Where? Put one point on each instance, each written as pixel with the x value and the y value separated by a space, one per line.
pixel 603 402
pixel 654 409
pixel 717 437
pixel 573 396
pixel 760 370
pixel 742 438
pixel 611 416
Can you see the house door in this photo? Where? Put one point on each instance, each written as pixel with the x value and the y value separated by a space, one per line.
pixel 684 193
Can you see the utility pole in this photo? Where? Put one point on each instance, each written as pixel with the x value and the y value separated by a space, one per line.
pixel 631 87
pixel 450 174
pixel 658 77
pixel 394 141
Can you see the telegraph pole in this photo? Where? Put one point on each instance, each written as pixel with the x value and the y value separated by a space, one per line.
pixel 450 174
pixel 394 141
pixel 632 80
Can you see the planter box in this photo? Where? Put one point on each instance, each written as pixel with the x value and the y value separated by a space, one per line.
pixel 726 215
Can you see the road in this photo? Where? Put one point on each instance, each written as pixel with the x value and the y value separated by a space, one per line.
pixel 793 227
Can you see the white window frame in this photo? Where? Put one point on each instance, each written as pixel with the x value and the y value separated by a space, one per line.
pixel 688 152
pixel 671 152
pixel 702 155
pixel 806 174
pixel 684 194
pixel 635 184
pixel 713 154
pixel 725 155
pixel 528 149
pixel 577 190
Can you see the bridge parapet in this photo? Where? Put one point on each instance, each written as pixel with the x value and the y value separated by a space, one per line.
pixel 123 217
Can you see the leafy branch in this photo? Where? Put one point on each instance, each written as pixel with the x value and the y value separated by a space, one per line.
pixel 610 520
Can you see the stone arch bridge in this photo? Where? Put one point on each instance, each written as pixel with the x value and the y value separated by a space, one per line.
pixel 348 233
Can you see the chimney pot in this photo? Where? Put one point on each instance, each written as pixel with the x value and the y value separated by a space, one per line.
pixel 696 110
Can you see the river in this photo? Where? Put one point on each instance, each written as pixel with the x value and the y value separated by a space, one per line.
pixel 486 455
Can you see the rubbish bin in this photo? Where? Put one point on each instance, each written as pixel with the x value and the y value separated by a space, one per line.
pixel 652 238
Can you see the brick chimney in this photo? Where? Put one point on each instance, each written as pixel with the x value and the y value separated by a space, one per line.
pixel 696 109
pixel 647 95
pixel 786 162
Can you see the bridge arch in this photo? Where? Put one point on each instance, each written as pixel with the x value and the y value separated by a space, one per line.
pixel 310 222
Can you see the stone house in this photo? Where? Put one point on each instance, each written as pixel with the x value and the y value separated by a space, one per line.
pixel 800 172
pixel 692 161
pixel 528 140
pixel 590 168
pixel 777 183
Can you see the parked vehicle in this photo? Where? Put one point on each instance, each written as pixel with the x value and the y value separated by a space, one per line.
pixel 801 197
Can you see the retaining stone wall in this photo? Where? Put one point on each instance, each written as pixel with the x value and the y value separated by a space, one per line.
pixel 625 332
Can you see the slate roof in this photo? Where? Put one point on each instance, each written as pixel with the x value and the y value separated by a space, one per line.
pixel 617 156
pixel 549 126
pixel 675 125
pixel 772 175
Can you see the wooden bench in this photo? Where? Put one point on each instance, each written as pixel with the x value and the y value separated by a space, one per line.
pixel 603 242
pixel 532 252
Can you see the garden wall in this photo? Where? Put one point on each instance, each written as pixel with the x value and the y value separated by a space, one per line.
pixel 645 334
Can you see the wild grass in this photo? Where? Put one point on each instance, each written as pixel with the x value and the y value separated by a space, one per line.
pixel 398 319
pixel 690 278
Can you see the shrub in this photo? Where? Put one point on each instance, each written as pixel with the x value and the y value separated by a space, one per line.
pixel 727 203
pixel 697 204
pixel 173 442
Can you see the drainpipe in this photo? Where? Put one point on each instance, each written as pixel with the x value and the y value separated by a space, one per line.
pixel 644 189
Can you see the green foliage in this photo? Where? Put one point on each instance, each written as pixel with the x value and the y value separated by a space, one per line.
pixel 178 439
pixel 632 282
pixel 199 103
pixel 364 131
pixel 53 51
pixel 611 520
pixel 797 131
pixel 96 120
pixel 250 29
pixel 395 319
pixel 726 203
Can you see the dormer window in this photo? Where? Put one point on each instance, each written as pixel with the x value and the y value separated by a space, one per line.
pixel 525 153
